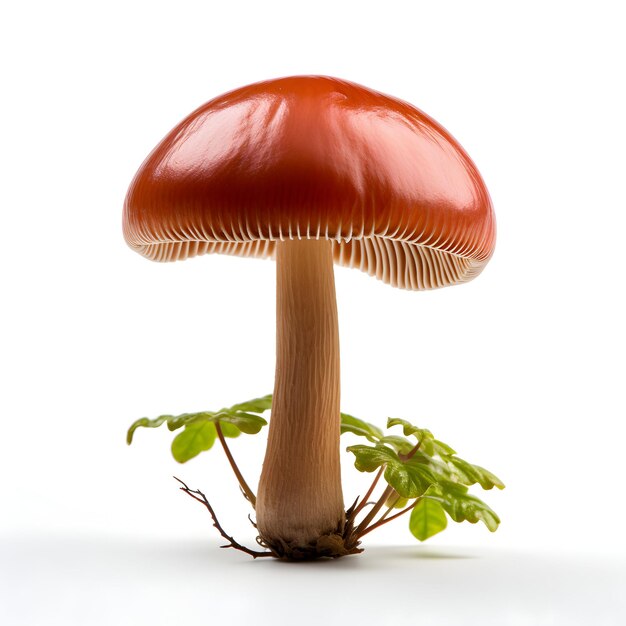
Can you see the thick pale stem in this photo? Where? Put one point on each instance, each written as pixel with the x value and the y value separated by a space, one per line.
pixel 299 497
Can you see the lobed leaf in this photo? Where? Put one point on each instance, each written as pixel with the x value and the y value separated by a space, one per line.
pixel 356 426
pixel 461 506
pixel 410 480
pixel 423 435
pixel 229 430
pixel 257 405
pixel 469 474
pixel 246 422
pixel 178 421
pixel 194 439
pixel 441 448
pixel 234 420
pixel 428 518
pixel 370 458
pixel 400 444
pixel 146 423
pixel 440 469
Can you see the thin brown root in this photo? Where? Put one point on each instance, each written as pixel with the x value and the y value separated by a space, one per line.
pixel 196 494
pixel 342 542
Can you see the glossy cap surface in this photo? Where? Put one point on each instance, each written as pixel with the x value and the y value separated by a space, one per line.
pixel 311 157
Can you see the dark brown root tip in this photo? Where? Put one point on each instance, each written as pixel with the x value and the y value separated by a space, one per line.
pixel 332 546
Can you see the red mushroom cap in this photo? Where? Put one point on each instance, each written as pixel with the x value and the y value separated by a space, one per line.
pixel 312 157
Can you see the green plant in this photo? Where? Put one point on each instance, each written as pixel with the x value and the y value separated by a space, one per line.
pixel 424 476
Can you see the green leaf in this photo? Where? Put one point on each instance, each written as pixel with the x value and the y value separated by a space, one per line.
pixel 229 430
pixel 424 436
pixel 489 478
pixel 258 405
pixel 410 480
pixel 461 506
pixel 396 501
pixel 409 429
pixel 370 458
pixel 441 448
pixel 146 423
pixel 234 420
pixel 428 518
pixel 178 421
pixel 469 474
pixel 199 432
pixel 439 469
pixel 400 444
pixel 356 426
pixel 246 422
pixel 194 439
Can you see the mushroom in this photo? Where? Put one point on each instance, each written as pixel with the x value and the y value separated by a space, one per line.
pixel 312 170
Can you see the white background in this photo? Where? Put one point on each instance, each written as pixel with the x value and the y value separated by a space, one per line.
pixel 521 370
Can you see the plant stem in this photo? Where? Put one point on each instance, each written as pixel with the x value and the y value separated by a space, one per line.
pixel 372 514
pixel 366 497
pixel 242 483
pixel 362 528
pixel 389 508
pixel 411 454
pixel 384 519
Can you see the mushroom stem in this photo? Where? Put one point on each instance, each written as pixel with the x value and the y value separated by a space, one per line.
pixel 299 498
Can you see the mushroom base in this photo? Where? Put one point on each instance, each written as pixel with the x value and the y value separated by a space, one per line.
pixel 332 545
